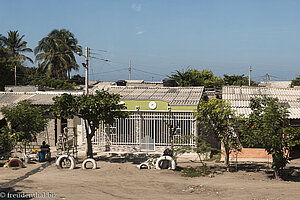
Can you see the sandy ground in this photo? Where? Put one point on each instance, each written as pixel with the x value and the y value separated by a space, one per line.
pixel 121 179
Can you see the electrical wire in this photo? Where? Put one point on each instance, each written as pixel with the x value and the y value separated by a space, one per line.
pixel 96 54
pixel 99 59
pixel 111 71
pixel 217 61
pixel 275 70
pixel 101 50
pixel 148 72
pixel 256 65
pixel 148 66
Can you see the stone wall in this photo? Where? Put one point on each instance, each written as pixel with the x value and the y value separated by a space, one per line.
pixel 48 135
pixel 121 149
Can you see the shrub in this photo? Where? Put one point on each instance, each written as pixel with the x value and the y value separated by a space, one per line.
pixel 196 171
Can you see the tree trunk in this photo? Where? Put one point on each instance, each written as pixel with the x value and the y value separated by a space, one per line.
pixel 227 153
pixel 89 148
pixel 89 136
pixel 276 170
pixel 25 148
pixel 276 173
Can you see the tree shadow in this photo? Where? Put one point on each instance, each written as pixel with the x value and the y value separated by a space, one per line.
pixel 128 157
pixel 290 173
pixel 251 167
pixel 10 193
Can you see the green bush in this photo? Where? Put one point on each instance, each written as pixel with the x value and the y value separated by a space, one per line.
pixel 53 83
pixel 6 141
pixel 195 171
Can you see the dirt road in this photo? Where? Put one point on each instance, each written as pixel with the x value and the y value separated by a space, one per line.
pixel 126 181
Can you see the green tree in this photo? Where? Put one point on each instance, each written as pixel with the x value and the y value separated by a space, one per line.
pixel 94 109
pixel 55 53
pixel 1 40
pixel 53 83
pixel 201 147
pixel 216 118
pixel 6 141
pixel 25 118
pixel 268 127
pixel 193 77
pixel 237 80
pixel 6 66
pixel 16 46
pixel 26 75
pixel 296 81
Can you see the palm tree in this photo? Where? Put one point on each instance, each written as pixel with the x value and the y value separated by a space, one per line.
pixel 1 41
pixel 55 53
pixel 183 78
pixel 14 44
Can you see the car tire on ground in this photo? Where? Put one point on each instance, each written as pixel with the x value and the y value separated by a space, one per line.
pixel 15 162
pixel 172 163
pixel 62 158
pixel 89 160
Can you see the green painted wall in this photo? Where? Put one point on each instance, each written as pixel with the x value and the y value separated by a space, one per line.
pixel 160 105
pixel 183 108
pixel 144 104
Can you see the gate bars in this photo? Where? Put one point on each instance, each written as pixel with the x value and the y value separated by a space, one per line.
pixel 141 124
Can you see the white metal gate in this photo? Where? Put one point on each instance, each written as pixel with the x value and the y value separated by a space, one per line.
pixel 147 129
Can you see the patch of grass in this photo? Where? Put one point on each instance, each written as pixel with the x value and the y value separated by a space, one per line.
pixel 216 158
pixel 195 171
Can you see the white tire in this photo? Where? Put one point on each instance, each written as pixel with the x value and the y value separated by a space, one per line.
pixel 172 163
pixel 143 166
pixel 89 160
pixel 65 157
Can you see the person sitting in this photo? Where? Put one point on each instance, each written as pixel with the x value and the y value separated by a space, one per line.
pixel 45 152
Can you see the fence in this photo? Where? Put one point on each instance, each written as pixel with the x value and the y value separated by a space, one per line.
pixel 147 129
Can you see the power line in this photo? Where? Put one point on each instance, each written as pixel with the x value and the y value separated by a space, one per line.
pixel 218 61
pixel 111 71
pixel 100 59
pixel 275 70
pixel 101 50
pixel 148 66
pixel 148 72
pixel 96 54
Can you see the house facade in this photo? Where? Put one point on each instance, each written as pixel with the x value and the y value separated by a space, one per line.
pixel 239 98
pixel 43 99
pixel 157 116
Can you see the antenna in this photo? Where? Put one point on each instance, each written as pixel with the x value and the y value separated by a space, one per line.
pixel 129 69
pixel 250 70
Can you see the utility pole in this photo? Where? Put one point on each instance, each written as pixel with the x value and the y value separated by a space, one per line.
pixel 15 75
pixel 250 70
pixel 129 69
pixel 267 75
pixel 86 65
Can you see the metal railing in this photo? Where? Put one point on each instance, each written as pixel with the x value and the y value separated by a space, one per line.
pixel 158 126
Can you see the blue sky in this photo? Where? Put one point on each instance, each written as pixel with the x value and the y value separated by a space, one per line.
pixel 161 36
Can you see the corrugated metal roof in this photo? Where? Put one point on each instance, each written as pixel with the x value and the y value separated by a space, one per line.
pixel 13 98
pixel 172 95
pixel 37 98
pixel 239 98
pixel 43 99
pixel 294 113
pixel 276 84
